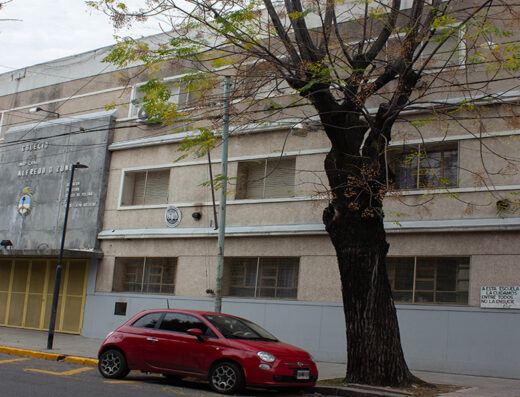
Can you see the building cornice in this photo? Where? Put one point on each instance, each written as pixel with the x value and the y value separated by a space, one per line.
pixel 416 226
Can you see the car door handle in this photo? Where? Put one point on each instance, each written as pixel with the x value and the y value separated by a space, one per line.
pixel 152 339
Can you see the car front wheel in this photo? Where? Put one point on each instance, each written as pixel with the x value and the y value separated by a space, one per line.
pixel 112 364
pixel 226 377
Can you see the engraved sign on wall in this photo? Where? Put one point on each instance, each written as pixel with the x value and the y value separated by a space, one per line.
pixel 36 165
pixel 500 297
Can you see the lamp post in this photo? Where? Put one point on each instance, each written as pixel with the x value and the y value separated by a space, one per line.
pixel 57 281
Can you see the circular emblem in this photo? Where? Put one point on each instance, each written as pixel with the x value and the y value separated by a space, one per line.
pixel 25 202
pixel 172 216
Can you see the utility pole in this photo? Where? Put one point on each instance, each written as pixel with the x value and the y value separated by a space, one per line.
pixel 222 206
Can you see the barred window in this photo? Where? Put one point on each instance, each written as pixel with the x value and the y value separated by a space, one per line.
pixel 426 168
pixel 145 187
pixel 265 178
pixel 145 275
pixel 262 277
pixel 429 279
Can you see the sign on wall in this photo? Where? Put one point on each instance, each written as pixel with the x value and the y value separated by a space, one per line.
pixel 500 297
pixel 36 164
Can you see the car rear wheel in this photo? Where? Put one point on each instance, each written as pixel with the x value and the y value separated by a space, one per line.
pixel 226 377
pixel 112 364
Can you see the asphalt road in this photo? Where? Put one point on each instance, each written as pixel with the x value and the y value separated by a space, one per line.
pixel 30 377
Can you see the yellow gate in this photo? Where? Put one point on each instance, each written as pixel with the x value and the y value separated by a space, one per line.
pixel 26 288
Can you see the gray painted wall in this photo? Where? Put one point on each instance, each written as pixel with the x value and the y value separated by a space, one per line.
pixel 36 160
pixel 460 340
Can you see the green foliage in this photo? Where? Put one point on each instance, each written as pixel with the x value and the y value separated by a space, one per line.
pixel 299 15
pixel 423 121
pixel 156 102
pixel 218 182
pixel 110 106
pixel 198 144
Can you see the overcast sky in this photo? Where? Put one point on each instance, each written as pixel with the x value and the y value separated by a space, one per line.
pixel 51 29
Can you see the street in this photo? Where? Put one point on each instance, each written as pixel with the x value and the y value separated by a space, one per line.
pixel 30 377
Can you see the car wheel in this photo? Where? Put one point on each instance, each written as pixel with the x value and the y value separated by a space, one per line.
pixel 226 377
pixel 112 364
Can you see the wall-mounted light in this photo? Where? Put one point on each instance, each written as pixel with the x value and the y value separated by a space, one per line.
pixel 39 109
pixel 196 216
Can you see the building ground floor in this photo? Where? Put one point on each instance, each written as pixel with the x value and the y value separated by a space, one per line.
pixel 290 285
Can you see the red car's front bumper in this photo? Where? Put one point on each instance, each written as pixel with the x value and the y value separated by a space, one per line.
pixel 282 373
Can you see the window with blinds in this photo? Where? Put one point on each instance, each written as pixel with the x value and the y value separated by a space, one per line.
pixel 145 275
pixel 266 178
pixel 262 277
pixel 146 187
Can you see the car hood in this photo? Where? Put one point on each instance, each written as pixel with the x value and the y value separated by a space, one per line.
pixel 278 349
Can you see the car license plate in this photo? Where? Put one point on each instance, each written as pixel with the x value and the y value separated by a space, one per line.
pixel 303 374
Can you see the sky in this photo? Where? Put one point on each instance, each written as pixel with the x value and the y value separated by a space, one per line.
pixel 50 29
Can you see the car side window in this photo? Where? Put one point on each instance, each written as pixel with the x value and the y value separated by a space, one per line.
pixel 148 321
pixel 178 322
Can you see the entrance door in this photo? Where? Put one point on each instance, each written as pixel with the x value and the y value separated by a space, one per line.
pixel 26 288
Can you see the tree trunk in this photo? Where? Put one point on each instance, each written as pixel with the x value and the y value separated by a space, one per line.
pixel 354 222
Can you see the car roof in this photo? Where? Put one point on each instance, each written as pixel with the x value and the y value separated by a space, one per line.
pixel 186 311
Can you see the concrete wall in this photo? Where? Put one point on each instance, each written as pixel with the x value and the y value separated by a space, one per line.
pixel 460 340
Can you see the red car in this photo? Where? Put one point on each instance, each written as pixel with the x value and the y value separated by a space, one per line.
pixel 229 351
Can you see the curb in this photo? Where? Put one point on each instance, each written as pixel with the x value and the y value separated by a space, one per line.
pixel 354 391
pixel 48 356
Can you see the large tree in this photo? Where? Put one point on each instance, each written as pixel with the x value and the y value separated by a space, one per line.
pixel 358 64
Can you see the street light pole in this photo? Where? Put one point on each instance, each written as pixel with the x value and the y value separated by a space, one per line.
pixel 57 281
pixel 222 204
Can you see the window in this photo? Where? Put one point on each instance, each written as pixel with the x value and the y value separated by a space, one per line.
pixel 180 94
pixel 450 53
pixel 266 178
pixel 179 322
pixel 429 280
pixel 424 169
pixel 148 321
pixel 145 275
pixel 262 277
pixel 145 187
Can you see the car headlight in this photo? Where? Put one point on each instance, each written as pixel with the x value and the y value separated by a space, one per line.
pixel 265 356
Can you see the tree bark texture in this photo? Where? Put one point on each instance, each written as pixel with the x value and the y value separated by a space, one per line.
pixel 354 222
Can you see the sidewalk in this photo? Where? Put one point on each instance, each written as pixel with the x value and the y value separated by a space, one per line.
pixel 79 346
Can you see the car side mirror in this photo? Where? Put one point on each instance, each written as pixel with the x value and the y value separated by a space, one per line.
pixel 196 332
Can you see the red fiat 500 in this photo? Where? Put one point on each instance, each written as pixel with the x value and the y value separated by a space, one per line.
pixel 229 351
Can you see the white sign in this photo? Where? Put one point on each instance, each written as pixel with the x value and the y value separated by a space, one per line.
pixel 172 216
pixel 500 297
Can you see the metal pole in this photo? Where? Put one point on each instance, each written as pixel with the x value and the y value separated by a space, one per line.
pixel 212 191
pixel 57 281
pixel 222 207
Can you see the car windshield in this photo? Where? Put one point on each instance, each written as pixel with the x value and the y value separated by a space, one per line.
pixel 239 328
